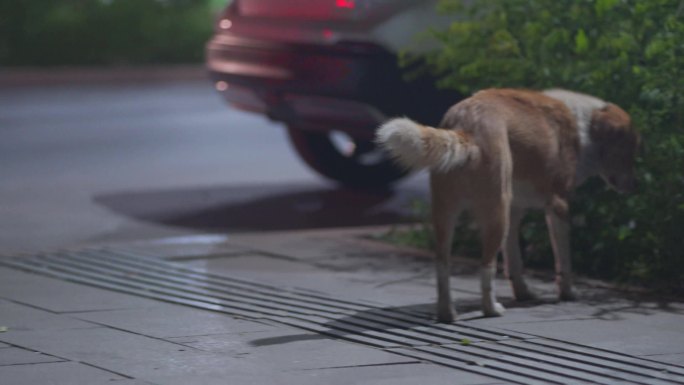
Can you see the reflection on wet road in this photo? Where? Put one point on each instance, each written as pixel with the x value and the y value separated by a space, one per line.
pixel 263 207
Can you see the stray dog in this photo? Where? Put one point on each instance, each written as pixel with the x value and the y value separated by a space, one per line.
pixel 502 152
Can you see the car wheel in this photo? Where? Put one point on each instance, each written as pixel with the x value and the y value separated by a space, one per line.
pixel 350 161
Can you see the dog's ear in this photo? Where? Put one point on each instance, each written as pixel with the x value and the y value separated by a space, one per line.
pixel 608 122
pixel 612 126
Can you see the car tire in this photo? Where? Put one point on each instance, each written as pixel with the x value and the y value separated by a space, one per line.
pixel 361 165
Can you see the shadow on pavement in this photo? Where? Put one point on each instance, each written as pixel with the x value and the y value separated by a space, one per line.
pixel 262 207
pixel 608 305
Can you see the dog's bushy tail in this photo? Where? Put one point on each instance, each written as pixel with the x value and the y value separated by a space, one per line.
pixel 415 146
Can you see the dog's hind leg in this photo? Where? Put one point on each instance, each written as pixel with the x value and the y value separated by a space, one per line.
pixel 493 223
pixel 491 209
pixel 445 210
pixel 513 265
pixel 559 232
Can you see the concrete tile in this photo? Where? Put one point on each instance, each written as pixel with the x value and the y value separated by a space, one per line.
pixel 275 271
pixel 60 296
pixel 260 376
pixel 342 265
pixel 418 374
pixel 282 272
pixel 17 317
pixel 399 374
pixel 291 349
pixel 356 287
pixel 17 356
pixel 381 288
pixel 646 314
pixel 628 337
pixel 167 320
pixel 677 359
pixel 126 353
pixel 409 374
pixel 4 345
pixel 58 373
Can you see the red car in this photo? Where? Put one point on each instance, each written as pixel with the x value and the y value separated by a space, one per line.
pixel 328 70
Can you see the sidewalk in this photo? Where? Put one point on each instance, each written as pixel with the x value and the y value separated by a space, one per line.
pixel 312 307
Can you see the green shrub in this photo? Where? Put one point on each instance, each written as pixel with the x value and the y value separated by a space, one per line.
pixel 630 52
pixel 97 32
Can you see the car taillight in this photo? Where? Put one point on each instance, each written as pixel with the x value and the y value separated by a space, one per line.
pixel 345 4
pixel 317 9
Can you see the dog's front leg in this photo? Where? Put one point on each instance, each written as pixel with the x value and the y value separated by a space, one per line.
pixel 559 232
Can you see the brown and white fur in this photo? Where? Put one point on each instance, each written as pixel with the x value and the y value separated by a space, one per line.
pixel 502 152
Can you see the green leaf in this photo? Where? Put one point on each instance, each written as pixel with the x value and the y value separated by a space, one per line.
pixel 623 232
pixel 465 342
pixel 581 42
pixel 604 5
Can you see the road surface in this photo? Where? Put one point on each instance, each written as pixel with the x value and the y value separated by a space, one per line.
pixel 82 164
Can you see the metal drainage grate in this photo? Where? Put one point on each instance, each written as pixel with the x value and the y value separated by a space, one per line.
pixel 513 357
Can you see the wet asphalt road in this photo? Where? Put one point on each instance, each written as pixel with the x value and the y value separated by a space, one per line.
pixel 102 163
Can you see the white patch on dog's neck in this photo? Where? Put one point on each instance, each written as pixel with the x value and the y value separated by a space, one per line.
pixel 582 107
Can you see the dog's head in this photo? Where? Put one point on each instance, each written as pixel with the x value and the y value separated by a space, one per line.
pixel 618 143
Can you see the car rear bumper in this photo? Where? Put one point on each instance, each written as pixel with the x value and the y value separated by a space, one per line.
pixel 346 86
pixel 341 85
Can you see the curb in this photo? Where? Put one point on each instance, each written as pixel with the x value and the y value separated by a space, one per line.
pixel 56 76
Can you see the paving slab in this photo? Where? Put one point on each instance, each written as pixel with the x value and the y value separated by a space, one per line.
pixel 329 260
pixel 626 337
pixel 677 359
pixel 369 264
pixel 402 374
pixel 258 377
pixel 373 287
pixel 19 317
pixel 19 356
pixel 290 349
pixel 397 375
pixel 60 296
pixel 60 373
pixel 350 278
pixel 126 353
pixel 168 320
pixel 220 355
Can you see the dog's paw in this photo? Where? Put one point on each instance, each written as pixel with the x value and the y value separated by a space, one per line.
pixel 567 295
pixel 522 293
pixel 493 309
pixel 525 296
pixel 446 315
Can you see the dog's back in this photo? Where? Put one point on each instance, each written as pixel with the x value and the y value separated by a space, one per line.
pixel 536 132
